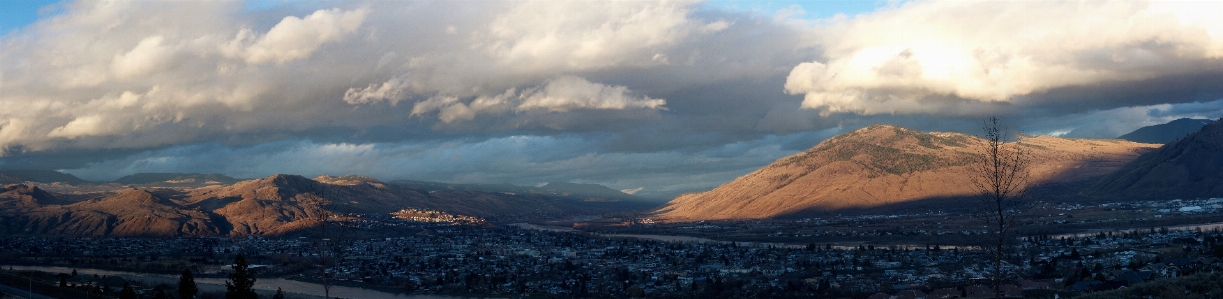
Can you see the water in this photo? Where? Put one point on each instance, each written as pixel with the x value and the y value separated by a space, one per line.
pixel 265 286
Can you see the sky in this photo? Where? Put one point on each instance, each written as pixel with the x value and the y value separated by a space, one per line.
pixel 653 97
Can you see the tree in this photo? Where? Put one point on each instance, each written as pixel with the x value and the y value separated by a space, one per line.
pixel 330 240
pixel 280 294
pixel 241 283
pixel 1000 174
pixel 127 292
pixel 161 294
pixel 186 285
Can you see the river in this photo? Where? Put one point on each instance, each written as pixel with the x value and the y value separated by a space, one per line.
pixel 265 286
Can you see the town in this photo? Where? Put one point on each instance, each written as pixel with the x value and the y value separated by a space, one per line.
pixel 472 258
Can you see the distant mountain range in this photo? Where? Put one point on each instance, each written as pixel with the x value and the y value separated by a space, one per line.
pixel 1190 167
pixel 1166 133
pixel 883 165
pixel 42 176
pixel 175 178
pixel 586 192
pixel 275 205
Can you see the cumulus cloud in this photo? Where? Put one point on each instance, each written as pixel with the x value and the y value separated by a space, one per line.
pixel 595 34
pixel 295 38
pixel 912 58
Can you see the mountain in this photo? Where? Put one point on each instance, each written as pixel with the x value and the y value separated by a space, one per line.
pixel 41 176
pixel 18 196
pixel 589 191
pixel 882 165
pixel 275 205
pixel 175 178
pixel 129 213
pixel 1191 167
pixel 557 190
pixel 1166 133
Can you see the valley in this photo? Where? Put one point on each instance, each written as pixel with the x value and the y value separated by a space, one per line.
pixel 882 209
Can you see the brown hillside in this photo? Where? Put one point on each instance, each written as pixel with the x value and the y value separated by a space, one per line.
pixel 19 196
pixel 885 164
pixel 126 214
pixel 274 205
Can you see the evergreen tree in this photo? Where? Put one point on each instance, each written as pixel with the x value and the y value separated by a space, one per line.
pixel 161 294
pixel 241 283
pixel 127 292
pixel 186 285
pixel 280 294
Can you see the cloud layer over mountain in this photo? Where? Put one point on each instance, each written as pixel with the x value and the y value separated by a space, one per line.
pixel 666 95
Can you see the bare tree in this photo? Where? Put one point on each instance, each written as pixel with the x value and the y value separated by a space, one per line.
pixel 330 238
pixel 1000 174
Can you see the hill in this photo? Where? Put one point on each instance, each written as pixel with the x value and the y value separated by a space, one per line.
pixel 882 165
pixel 41 176
pixel 275 205
pixel 18 196
pixel 1166 133
pixel 129 213
pixel 175 178
pixel 1191 167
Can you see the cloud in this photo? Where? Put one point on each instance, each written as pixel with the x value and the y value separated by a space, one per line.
pixel 391 91
pixel 632 190
pixel 148 56
pixel 584 35
pixel 296 38
pixel 665 95
pixel 912 58
pixel 568 93
pixel 558 95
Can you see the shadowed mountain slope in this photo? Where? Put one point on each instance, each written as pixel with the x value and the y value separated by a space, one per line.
pixel 883 164
pixel 1191 167
pixel 41 176
pixel 1166 133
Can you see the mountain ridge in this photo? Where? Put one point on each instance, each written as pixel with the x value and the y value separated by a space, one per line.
pixel 1167 132
pixel 275 205
pixel 1188 168
pixel 885 164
